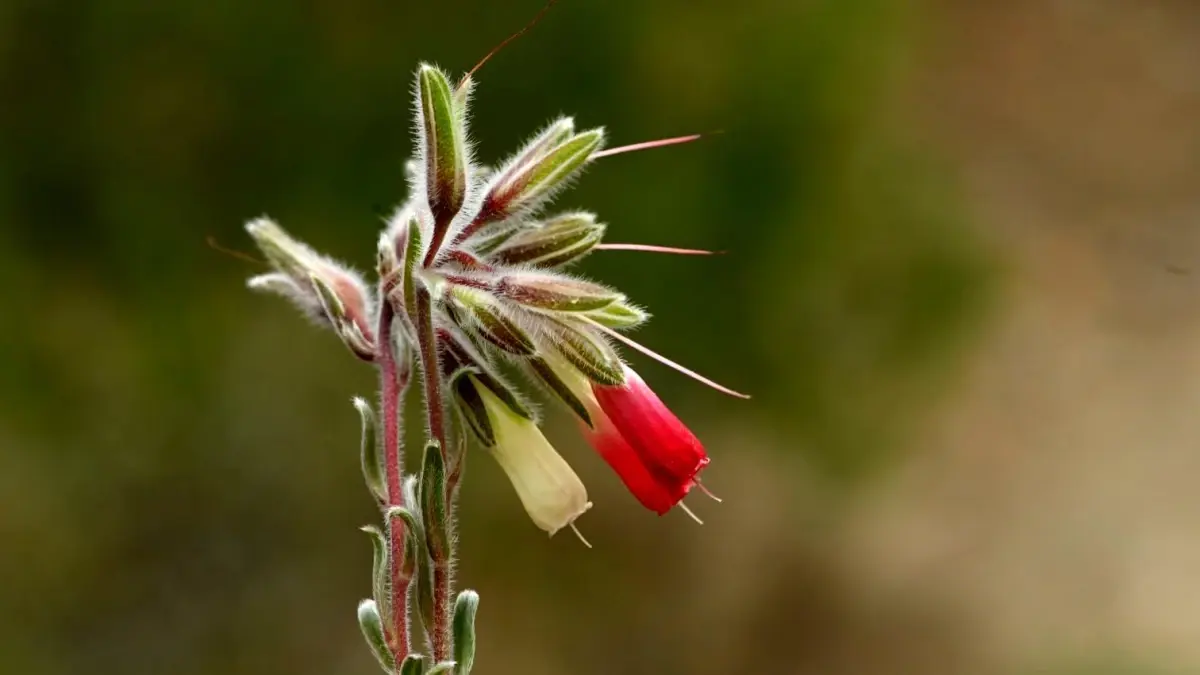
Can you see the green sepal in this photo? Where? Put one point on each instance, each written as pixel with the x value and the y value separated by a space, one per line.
pixel 618 315
pixel 444 144
pixel 491 322
pixel 372 629
pixel 559 389
pixel 343 324
pixel 470 406
pixel 465 608
pixel 588 352
pixel 371 457
pixel 443 667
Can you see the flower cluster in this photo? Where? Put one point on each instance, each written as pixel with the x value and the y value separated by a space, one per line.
pixel 472 290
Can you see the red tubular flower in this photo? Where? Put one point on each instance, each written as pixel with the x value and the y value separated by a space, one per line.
pixel 655 455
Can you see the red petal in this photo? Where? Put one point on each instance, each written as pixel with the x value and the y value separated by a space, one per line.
pixel 657 495
pixel 666 447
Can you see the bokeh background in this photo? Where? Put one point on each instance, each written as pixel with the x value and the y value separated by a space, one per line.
pixel 963 284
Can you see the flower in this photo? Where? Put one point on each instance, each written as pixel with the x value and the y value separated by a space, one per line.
pixel 551 493
pixel 651 451
pixel 654 492
pixel 668 449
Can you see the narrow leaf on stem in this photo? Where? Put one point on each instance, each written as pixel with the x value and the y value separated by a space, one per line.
pixel 465 608
pixel 372 628
pixel 379 572
pixel 372 458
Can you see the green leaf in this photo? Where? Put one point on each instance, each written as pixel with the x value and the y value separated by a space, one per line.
pixel 559 389
pixel 412 253
pixel 432 495
pixel 470 406
pixel 465 608
pixel 443 667
pixel 414 534
pixel 372 628
pixel 379 572
pixel 372 458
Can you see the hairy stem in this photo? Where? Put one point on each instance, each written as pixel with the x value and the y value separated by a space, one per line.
pixel 435 406
pixel 392 387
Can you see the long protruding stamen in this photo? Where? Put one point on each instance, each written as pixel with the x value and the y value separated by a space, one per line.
pixel 708 493
pixel 689 512
pixel 668 362
pixel 580 535
pixel 533 22
pixel 651 248
pixel 645 146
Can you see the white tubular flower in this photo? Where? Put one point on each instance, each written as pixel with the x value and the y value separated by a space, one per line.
pixel 551 493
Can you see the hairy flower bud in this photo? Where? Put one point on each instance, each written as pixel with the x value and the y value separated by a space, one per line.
pixel 544 167
pixel 559 241
pixel 443 146
pixel 325 290
pixel 555 292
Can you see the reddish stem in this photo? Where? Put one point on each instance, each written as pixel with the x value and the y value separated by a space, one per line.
pixel 391 388
pixel 432 376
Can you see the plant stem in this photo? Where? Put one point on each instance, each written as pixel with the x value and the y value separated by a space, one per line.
pixel 391 388
pixel 434 404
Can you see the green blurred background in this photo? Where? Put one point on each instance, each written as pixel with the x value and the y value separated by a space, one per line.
pixel 959 285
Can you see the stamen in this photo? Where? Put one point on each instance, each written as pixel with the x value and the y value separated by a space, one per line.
pixel 645 146
pixel 708 493
pixel 580 535
pixel 231 252
pixel 533 22
pixel 668 362
pixel 650 248
pixel 689 512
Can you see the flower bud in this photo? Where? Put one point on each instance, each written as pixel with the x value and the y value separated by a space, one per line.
pixel 551 493
pixel 537 172
pixel 442 144
pixel 323 289
pixel 559 241
pixel 554 292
